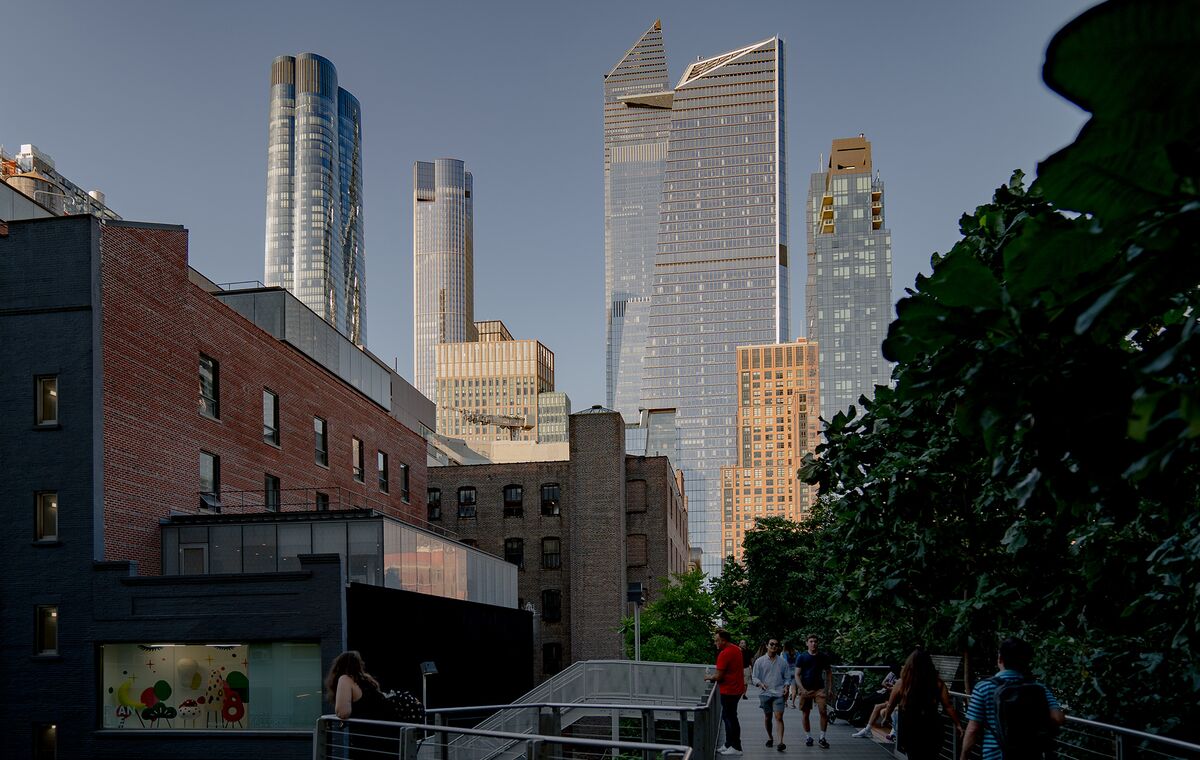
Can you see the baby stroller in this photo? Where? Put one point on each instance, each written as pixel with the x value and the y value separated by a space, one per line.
pixel 845 704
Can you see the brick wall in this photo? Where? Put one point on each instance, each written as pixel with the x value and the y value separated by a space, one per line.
pixel 155 325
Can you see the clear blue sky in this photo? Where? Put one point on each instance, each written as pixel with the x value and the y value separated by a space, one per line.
pixel 163 105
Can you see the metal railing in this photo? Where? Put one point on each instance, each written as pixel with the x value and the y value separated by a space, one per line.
pixel 613 700
pixel 335 739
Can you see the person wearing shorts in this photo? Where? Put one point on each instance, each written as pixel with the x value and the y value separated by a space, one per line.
pixel 772 674
pixel 814 677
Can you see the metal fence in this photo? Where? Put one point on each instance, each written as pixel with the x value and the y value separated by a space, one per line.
pixel 353 739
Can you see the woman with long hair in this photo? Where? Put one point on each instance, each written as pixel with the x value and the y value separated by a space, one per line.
pixel 355 693
pixel 917 694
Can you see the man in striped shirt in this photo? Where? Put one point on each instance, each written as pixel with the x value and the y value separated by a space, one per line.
pixel 1013 660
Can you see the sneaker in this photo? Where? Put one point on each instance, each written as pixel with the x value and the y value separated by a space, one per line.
pixel 726 751
pixel 865 731
pixel 808 742
pixel 822 743
pixel 770 742
pixel 890 738
pixel 781 747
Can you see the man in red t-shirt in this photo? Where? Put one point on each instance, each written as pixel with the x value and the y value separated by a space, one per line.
pixel 731 683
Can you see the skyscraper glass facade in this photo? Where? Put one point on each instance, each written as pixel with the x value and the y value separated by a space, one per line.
pixel 848 296
pixel 720 272
pixel 314 237
pixel 637 120
pixel 443 264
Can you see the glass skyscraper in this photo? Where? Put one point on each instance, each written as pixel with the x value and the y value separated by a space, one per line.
pixel 848 297
pixel 314 241
pixel 443 264
pixel 637 121
pixel 720 275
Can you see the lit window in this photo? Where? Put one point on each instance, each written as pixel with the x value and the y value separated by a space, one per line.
pixel 320 442
pixel 47 516
pixel 45 741
pixel 270 417
pixel 551 496
pixel 210 387
pixel 47 401
pixel 356 457
pixel 47 630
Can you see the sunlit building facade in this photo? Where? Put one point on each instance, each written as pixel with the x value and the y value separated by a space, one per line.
pixel 554 417
pixel 443 263
pixel 721 268
pixel 314 238
pixel 778 413
pixel 487 390
pixel 637 121
pixel 848 297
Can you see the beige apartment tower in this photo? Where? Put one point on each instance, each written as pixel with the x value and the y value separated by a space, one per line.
pixel 487 390
pixel 778 419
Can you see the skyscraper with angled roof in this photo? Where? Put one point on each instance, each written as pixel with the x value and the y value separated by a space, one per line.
pixel 720 276
pixel 637 121
pixel 314 241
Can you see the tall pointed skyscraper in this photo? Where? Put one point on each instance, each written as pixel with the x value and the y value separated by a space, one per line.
pixel 637 120
pixel 848 297
pixel 314 241
pixel 443 264
pixel 721 269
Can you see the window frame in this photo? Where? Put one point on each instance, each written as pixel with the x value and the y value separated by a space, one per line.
pixel 551 507
pixel 215 494
pixel 43 614
pixel 514 546
pixel 405 491
pixel 433 507
pixel 547 594
pixel 383 474
pixel 551 560
pixel 271 431
pixel 468 510
pixel 39 527
pixel 39 396
pixel 210 405
pixel 321 501
pixel 321 442
pixel 271 488
pixel 357 467
pixel 513 507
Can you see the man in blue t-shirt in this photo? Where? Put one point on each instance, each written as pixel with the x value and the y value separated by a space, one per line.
pixel 814 676
pixel 1013 660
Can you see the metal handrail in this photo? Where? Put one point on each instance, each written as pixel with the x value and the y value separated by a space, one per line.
pixel 567 705
pixel 409 745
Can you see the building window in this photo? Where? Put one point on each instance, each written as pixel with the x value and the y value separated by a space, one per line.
pixel 47 630
pixel 551 658
pixel 404 494
pixel 45 741
pixel 322 502
pixel 356 456
pixel 551 553
pixel 210 481
pixel 193 559
pixel 210 387
pixel 466 501
pixel 47 401
pixel 381 465
pixel 270 417
pixel 271 493
pixel 513 501
pixel 433 501
pixel 283 676
pixel 320 442
pixel 46 507
pixel 551 605
pixel 514 552
pixel 551 494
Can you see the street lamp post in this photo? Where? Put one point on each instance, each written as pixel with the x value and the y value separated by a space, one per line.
pixel 636 594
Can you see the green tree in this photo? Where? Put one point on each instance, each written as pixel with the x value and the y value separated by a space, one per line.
pixel 678 625
pixel 729 593
pixel 1035 469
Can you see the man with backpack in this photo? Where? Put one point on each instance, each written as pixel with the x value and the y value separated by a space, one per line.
pixel 1017 716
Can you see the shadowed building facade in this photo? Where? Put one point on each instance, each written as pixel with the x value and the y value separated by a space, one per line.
pixel 314 239
pixel 848 297
pixel 443 264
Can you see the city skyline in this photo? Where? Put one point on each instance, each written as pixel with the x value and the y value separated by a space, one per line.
pixel 928 115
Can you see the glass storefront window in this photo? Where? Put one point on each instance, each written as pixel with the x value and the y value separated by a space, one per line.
pixel 275 685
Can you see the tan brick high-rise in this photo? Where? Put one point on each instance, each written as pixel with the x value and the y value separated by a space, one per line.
pixel 778 419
